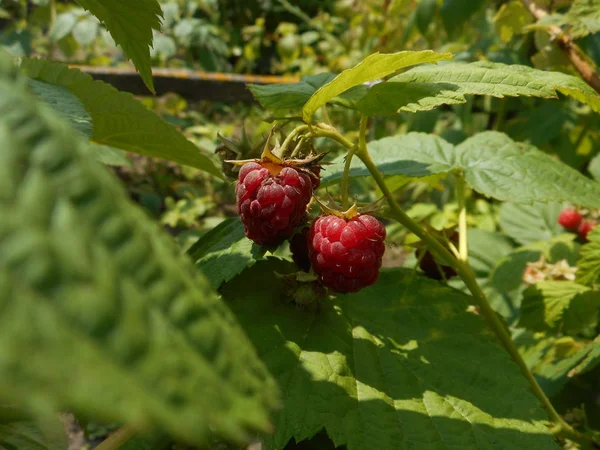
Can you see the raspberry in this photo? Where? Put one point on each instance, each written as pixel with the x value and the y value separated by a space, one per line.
pixel 346 254
pixel 584 228
pixel 570 219
pixel 433 269
pixel 271 206
pixel 299 249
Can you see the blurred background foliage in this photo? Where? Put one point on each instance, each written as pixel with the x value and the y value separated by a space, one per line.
pixel 296 38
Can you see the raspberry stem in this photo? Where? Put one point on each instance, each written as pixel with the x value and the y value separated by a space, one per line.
pixel 284 149
pixel 463 249
pixel 560 427
pixel 362 143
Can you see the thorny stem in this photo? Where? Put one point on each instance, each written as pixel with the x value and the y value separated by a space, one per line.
pixel 298 147
pixel 117 439
pixel 578 58
pixel 560 427
pixel 463 249
pixel 346 176
pixel 290 138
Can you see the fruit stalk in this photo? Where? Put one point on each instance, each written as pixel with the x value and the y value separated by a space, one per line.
pixel 284 149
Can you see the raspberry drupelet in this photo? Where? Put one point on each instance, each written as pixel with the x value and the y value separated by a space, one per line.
pixel 271 203
pixel 346 253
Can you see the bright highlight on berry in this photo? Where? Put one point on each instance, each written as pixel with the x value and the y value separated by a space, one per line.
pixel 346 253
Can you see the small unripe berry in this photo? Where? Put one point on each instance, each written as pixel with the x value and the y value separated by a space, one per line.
pixel 570 219
pixel 346 254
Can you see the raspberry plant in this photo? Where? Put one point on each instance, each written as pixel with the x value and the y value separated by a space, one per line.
pixel 386 359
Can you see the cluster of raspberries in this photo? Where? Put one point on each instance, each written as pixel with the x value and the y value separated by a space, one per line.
pixel 577 221
pixel 272 201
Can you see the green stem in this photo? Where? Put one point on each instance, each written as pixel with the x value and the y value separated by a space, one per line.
pixel 562 429
pixel 117 439
pixel 290 138
pixel 298 147
pixel 346 177
pixel 333 134
pixel 463 249
pixel 362 145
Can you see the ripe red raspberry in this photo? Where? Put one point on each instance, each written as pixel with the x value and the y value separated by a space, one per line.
pixel 346 254
pixel 271 206
pixel 585 227
pixel 570 219
pixel 299 249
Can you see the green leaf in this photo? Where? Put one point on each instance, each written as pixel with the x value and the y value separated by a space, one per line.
pixel 386 368
pixel 119 120
pixel 589 262
pixel 412 155
pixel 591 360
pixel 62 26
pixel 224 252
pixel 456 12
pixel 425 13
pixel 510 20
pixel 447 84
pixel 559 306
pixel 114 321
pixel 372 68
pixel 288 99
pixel 527 224
pixel 582 19
pixel 493 164
pixel 553 361
pixel 110 156
pixel 47 433
pixel 393 97
pixel 594 168
pixel 508 273
pixel 542 124
pixel 506 170
pixel 130 24
pixel 507 276
pixel 86 30
pixel 65 103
